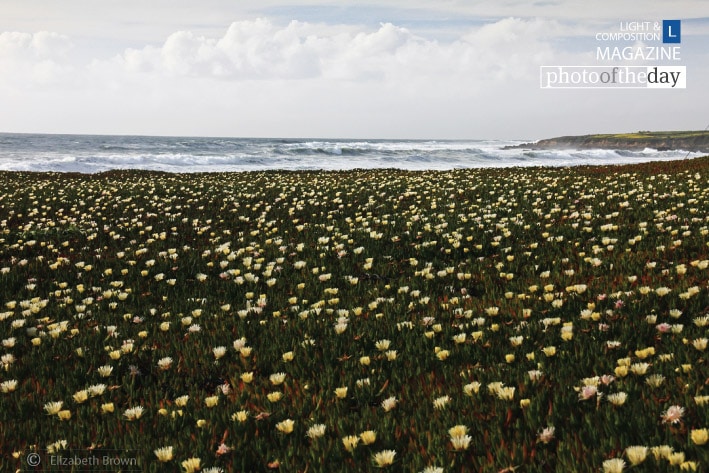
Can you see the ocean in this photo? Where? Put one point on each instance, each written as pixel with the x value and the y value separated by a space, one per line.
pixel 93 153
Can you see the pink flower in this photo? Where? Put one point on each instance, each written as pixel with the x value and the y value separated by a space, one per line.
pixel 223 449
pixel 546 435
pixel 672 415
pixel 663 327
pixel 601 297
pixel 607 379
pixel 587 392
pixel 619 304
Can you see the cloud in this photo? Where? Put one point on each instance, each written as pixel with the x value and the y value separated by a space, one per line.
pixel 260 50
pixel 34 58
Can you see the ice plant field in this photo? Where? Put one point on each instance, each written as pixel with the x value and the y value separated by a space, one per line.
pixel 498 320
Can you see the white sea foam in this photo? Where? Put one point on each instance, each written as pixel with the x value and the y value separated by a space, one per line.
pixel 90 154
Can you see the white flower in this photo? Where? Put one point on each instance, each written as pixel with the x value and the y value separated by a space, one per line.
pixel 133 413
pixel 441 402
pixel 547 434
pixel 164 454
pixel 165 363
pixel 389 403
pixel 53 407
pixel 96 390
pixel 384 458
pixel 219 352
pixel 614 465
pixel 316 431
pixel 277 378
pixel 672 415
pixel 8 386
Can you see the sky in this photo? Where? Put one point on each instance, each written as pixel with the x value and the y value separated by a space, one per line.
pixel 414 69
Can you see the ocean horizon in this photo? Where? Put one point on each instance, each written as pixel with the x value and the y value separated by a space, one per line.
pixel 176 154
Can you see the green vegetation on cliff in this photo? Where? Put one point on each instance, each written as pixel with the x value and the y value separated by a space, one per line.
pixel 660 140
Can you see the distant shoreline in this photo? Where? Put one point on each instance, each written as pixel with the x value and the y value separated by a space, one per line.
pixel 691 141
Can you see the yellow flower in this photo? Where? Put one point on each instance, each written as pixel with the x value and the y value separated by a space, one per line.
pixel 457 430
pixel 368 437
pixel 240 416
pixel 549 351
pixel 64 415
pixel 201 423
pixel 285 426
pixel 106 408
pixel 288 356
pixel 636 454
pixel 211 401
pixel 274 396
pixel 181 401
pixel 191 465
pixel 350 442
pixel 471 388
pixel 341 393
pixel 676 458
pixel 247 377
pixel 81 396
pixel 442 355
pixel 700 436
pixel 277 378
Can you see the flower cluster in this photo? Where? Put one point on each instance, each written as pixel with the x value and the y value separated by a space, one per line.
pixel 485 320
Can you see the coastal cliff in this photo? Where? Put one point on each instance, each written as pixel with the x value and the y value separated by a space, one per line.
pixel 697 141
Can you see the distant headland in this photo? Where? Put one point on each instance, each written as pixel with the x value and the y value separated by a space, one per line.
pixel 697 141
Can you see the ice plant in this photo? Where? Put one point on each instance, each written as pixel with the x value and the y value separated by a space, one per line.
pixel 384 458
pixel 165 363
pixel 285 426
pixel 389 403
pixel 699 436
pixel 441 402
pixel 350 442
pixel 547 434
pixel 53 407
pixel 133 413
pixel 613 465
pixel 636 454
pixel 164 454
pixel 672 415
pixel 617 399
pixel 316 431
pixel 368 437
pixel 191 465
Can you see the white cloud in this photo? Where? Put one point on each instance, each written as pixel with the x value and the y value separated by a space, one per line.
pixel 260 50
pixel 33 58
